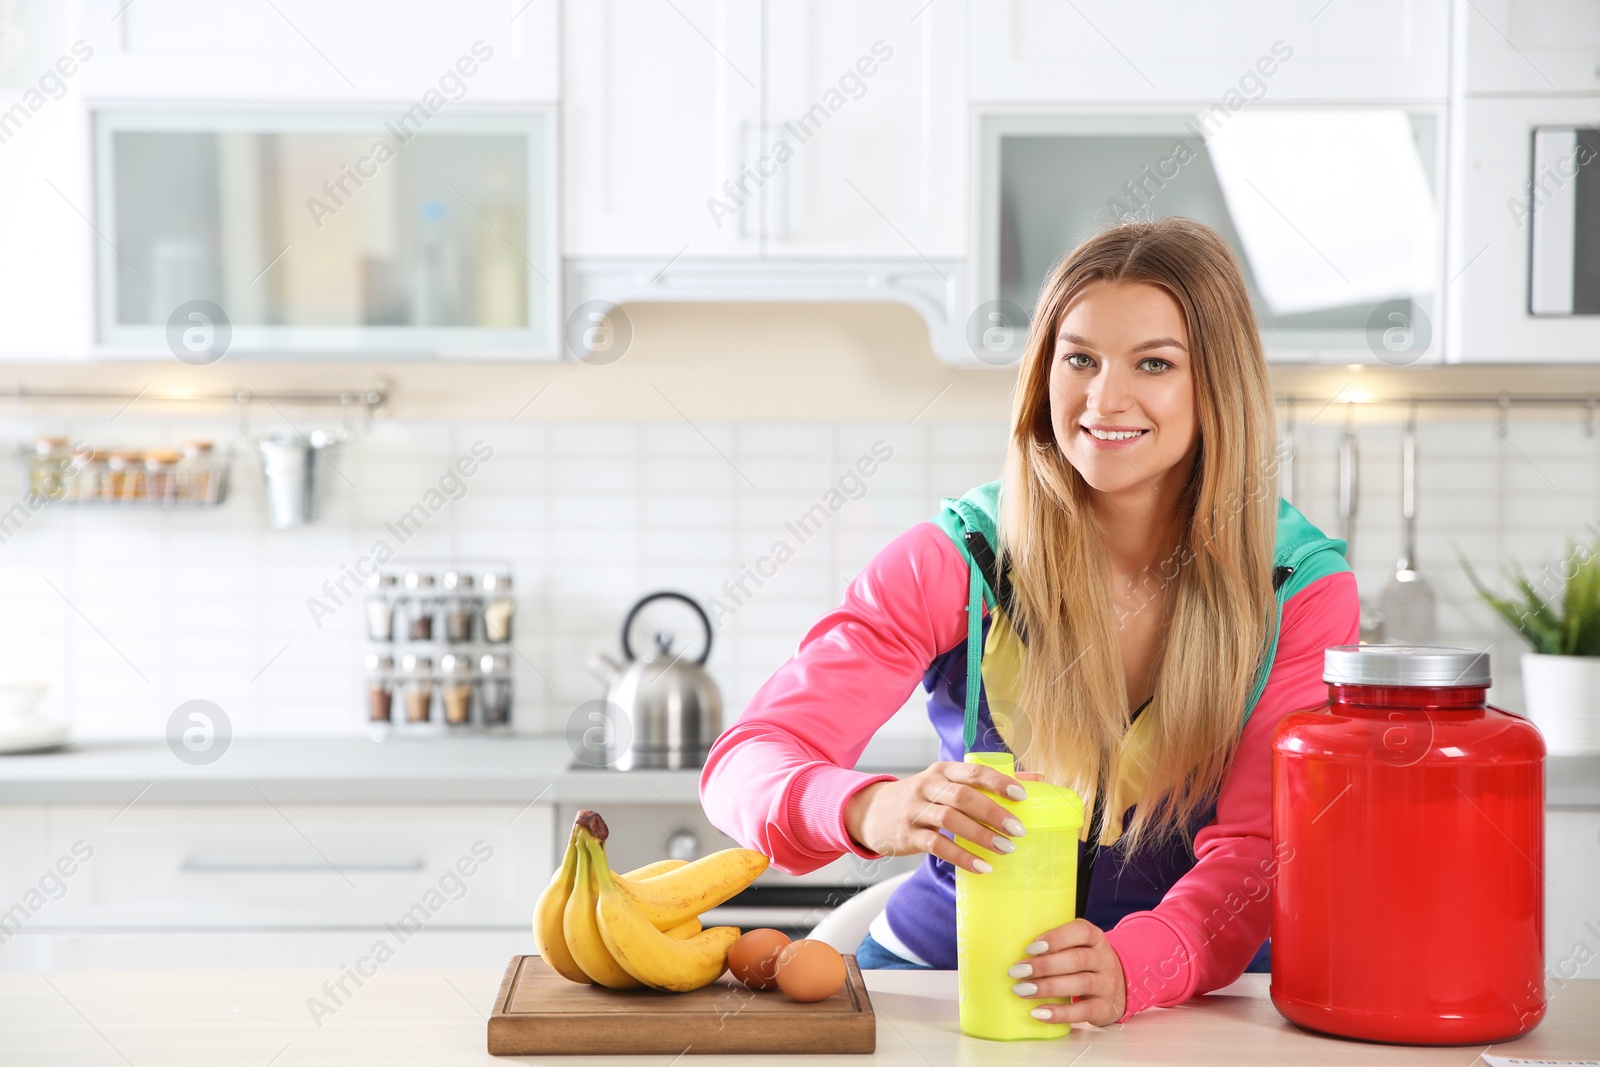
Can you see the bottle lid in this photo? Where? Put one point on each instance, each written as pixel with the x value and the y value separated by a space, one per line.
pixel 1420 665
pixel 1048 807
pixel 496 582
pixel 419 580
pixel 457 580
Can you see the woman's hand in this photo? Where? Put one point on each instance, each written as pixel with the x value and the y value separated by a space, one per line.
pixel 905 816
pixel 1074 960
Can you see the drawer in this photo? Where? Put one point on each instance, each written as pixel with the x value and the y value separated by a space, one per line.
pixel 1571 919
pixel 305 865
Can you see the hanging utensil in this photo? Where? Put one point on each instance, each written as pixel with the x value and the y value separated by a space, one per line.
pixel 1286 456
pixel 1408 600
pixel 1349 492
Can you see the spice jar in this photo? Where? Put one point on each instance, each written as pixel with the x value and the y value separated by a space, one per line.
pixel 420 605
pixel 380 686
pixel 47 468
pixel 196 481
pixel 494 688
pixel 1408 834
pixel 88 482
pixel 416 676
pixel 497 607
pixel 161 476
pixel 460 607
pixel 124 479
pixel 380 607
pixel 455 688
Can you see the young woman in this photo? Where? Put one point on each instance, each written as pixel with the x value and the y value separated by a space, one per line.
pixel 1156 609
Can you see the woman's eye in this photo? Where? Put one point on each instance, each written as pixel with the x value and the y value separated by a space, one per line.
pixel 1072 360
pixel 1160 364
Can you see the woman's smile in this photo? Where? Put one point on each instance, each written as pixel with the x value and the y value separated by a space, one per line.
pixel 1111 437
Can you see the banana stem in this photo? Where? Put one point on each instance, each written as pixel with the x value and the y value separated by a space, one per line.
pixel 600 869
pixel 592 822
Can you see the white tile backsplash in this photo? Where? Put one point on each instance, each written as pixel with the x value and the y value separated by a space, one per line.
pixel 132 612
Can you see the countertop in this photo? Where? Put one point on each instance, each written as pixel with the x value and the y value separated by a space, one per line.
pixel 439 1018
pixel 511 769
pixel 507 769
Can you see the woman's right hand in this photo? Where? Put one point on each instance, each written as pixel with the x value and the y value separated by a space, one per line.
pixel 905 816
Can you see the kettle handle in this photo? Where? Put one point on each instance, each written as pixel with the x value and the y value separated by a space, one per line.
pixel 633 612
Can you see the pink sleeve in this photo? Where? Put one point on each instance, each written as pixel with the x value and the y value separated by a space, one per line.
pixel 1209 925
pixel 777 780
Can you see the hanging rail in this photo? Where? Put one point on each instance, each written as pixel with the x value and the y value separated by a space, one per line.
pixel 371 397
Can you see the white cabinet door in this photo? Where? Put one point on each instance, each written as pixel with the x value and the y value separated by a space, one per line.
pixel 1487 291
pixel 661 108
pixel 1028 51
pixel 865 147
pixel 260 865
pixel 46 237
pixel 1532 46
pixel 1572 907
pixel 352 50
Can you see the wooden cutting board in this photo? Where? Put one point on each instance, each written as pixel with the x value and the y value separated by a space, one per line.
pixel 538 1012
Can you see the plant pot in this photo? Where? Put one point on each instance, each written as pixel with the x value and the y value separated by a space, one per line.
pixel 1563 698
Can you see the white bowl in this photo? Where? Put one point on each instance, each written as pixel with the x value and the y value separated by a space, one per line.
pixel 19 698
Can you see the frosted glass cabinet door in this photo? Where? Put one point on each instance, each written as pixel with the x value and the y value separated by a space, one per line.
pixel 390 231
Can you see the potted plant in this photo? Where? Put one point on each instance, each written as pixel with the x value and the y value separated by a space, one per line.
pixel 1561 676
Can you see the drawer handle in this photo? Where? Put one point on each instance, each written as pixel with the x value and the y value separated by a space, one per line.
pixel 214 866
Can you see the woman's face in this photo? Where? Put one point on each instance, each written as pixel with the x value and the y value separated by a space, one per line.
pixel 1122 368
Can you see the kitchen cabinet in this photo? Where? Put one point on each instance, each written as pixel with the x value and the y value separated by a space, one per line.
pixel 1531 46
pixel 658 115
pixel 1487 296
pixel 335 230
pixel 870 99
pixel 764 130
pixel 1040 51
pixel 301 50
pixel 1572 909
pixel 263 866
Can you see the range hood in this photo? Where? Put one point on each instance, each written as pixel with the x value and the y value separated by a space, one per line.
pixel 934 288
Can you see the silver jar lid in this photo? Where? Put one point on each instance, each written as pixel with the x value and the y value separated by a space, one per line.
pixel 494 663
pixel 457 580
pixel 1420 665
pixel 455 665
pixel 419 580
pixel 380 582
pixel 496 582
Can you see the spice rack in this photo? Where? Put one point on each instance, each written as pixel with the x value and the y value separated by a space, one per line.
pixel 194 475
pixel 438 654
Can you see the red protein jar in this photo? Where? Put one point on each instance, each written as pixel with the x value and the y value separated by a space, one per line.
pixel 1408 823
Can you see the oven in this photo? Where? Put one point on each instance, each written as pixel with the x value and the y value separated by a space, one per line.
pixel 645 828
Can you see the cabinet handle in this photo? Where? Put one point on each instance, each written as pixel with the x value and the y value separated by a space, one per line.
pixel 213 866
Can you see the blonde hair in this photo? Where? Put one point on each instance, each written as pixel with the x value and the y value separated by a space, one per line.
pixel 1071 689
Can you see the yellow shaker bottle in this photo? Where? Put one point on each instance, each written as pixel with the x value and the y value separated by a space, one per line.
pixel 1000 913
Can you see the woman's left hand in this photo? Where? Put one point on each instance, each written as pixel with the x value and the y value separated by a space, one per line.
pixel 1074 960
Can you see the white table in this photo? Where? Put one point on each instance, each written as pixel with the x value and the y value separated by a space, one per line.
pixel 437 1018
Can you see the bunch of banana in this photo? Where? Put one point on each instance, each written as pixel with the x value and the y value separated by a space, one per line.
pixel 626 931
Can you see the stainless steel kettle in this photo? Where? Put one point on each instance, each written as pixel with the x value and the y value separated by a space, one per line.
pixel 670 706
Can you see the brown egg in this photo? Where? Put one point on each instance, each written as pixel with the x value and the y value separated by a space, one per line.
pixel 810 970
pixel 753 959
